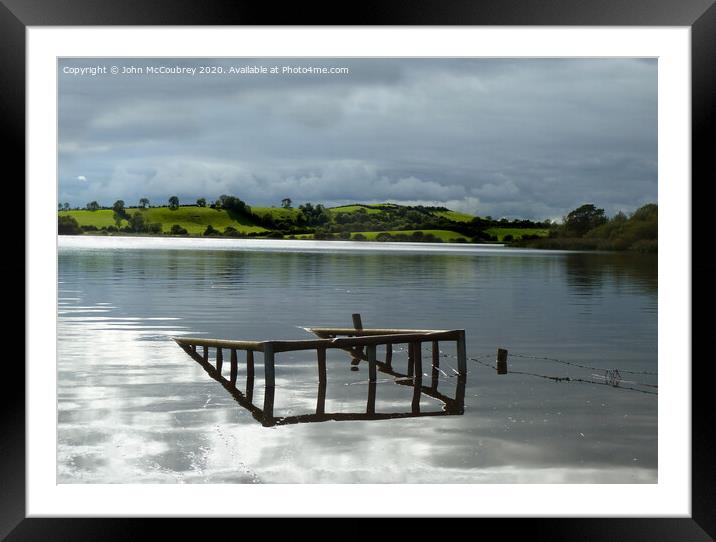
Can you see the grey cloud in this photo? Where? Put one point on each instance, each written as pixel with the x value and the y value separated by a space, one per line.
pixel 531 138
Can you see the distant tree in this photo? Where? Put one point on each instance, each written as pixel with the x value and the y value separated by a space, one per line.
pixel 583 219
pixel 619 218
pixel 359 237
pixel 66 206
pixel 136 222
pixel 210 230
pixel 154 227
pixel 650 211
pixel 118 206
pixel 68 225
pixel 507 238
pixel 174 203
pixel 314 216
pixel 201 202
pixel 233 204
pixel 59 206
pixel 144 203
pixel 286 203
pixel 117 219
pixel 178 230
pixel 92 206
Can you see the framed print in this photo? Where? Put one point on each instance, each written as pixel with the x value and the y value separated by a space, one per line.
pixel 275 266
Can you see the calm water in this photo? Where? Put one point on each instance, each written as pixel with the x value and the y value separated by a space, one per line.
pixel 133 407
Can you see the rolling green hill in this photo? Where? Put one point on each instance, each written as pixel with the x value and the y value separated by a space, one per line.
pixel 367 221
pixel 193 219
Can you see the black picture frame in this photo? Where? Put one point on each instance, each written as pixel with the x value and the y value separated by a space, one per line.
pixel 700 15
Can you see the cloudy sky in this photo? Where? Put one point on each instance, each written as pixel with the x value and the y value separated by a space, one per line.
pixel 516 138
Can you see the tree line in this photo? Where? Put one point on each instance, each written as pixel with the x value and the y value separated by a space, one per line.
pixel 589 228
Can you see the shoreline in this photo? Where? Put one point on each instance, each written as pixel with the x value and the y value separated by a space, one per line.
pixel 551 245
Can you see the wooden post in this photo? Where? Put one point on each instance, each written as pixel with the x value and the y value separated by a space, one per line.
pixel 219 360
pixel 370 407
pixel 268 405
pixel 206 353
pixel 321 364
pixel 501 361
pixel 461 354
pixel 417 375
pixel 358 325
pixel 389 356
pixel 418 360
pixel 411 359
pixel 269 367
pixel 460 394
pixel 269 380
pixel 321 401
pixel 193 348
pixel 250 363
pixel 436 364
pixel 234 367
pixel 249 374
pixel 371 363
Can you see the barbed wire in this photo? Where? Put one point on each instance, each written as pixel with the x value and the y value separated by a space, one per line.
pixel 519 355
pixel 611 378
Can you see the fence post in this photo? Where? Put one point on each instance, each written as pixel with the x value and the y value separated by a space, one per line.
pixel 411 359
pixel 357 322
pixel 321 400
pixel 417 374
pixel 249 375
pixel 269 381
pixel 461 353
pixel 250 365
pixel 234 367
pixel 371 362
pixel 219 360
pixel 321 352
pixel 501 361
pixel 358 325
pixel 269 367
pixel 436 364
pixel 370 407
pixel 389 355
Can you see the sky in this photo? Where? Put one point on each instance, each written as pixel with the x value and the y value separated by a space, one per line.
pixel 515 138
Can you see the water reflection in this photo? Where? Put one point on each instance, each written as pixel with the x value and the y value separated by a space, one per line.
pixel 133 408
pixel 451 405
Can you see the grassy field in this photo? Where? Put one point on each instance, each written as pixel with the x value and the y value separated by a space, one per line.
pixel 454 216
pixel 370 209
pixel 517 232
pixel 196 219
pixel 276 212
pixel 193 219
pixel 353 208
pixel 445 235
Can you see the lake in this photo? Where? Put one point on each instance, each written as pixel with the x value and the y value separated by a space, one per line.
pixel 133 407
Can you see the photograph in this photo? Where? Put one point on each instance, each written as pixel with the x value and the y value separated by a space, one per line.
pixel 357 270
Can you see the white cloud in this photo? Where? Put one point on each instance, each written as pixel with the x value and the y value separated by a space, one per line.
pixel 81 178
